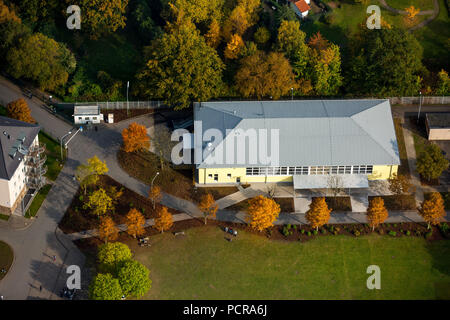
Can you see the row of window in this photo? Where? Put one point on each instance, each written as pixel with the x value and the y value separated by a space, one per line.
pixel 280 171
pixel 87 118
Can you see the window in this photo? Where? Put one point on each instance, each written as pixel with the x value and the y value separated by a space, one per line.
pixel 80 118
pixel 210 175
pixel 95 118
pixel 216 177
pixel 229 175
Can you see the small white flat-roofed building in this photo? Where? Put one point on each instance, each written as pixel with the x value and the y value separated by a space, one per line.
pixel 438 126
pixel 87 114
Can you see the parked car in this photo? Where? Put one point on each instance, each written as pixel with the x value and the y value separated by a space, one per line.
pixel 27 93
pixel 50 109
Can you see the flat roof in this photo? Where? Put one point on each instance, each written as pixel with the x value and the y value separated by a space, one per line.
pixel 321 181
pixel 86 110
pixel 438 120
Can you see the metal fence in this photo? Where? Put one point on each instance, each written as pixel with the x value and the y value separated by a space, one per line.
pixel 415 100
pixel 120 105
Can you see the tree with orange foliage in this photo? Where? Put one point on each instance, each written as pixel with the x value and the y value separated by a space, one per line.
pixel 411 18
pixel 318 213
pixel 164 220
pixel 7 14
pixel 107 229
pixel 135 222
pixel 376 212
pixel 234 47
pixel 208 206
pixel 155 195
pixel 318 42
pixel 19 110
pixel 135 138
pixel 263 212
pixel 432 209
pixel 212 37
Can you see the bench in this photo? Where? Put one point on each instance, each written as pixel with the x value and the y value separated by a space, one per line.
pixel 181 233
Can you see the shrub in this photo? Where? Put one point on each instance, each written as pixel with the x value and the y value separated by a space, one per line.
pixel 331 229
pixel 295 227
pixel 309 233
pixel 335 232
pixel 81 198
pixel 395 225
pixel 381 231
pixel 408 233
pixel 285 231
pixel 324 231
pixel 428 234
pixel 392 233
pixel 289 226
pixel 315 232
pixel 444 227
pixel 357 233
pixel 302 231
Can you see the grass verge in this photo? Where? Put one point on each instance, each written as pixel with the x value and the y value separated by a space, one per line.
pixel 37 201
pixel 6 258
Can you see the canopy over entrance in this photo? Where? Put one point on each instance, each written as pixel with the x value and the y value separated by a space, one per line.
pixel 345 181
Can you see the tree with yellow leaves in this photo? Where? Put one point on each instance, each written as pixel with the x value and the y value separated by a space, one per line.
pixel 99 202
pixel 155 195
pixel 234 47
pixel 208 206
pixel 212 37
pixel 107 229
pixel 135 138
pixel 7 14
pixel 318 213
pixel 19 110
pixel 164 220
pixel 376 212
pixel 135 222
pixel 432 209
pixel 88 174
pixel 263 212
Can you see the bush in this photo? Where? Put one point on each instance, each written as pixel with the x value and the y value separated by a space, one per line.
pixel 309 233
pixel 381 231
pixel 324 231
pixel 81 198
pixel 315 232
pixel 357 233
pixel 408 233
pixel 393 233
pixel 302 231
pixel 428 234
pixel 331 229
pixel 444 227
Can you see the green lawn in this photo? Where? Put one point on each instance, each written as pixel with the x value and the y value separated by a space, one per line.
pixel 53 153
pixel 37 201
pixel 202 265
pixel 4 217
pixel 6 258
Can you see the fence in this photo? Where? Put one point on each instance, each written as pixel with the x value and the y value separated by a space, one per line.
pixel 415 100
pixel 120 105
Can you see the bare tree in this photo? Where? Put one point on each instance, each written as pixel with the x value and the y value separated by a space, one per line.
pixel 335 184
pixel 271 190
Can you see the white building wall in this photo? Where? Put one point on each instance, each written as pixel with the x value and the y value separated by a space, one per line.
pixel 83 119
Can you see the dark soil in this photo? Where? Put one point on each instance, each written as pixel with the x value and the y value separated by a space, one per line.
pixel 121 114
pixel 286 205
pixel 432 182
pixel 399 202
pixel 78 219
pixel 339 204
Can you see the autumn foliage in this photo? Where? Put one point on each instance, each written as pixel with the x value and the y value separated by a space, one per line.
pixel 135 138
pixel 376 212
pixel 19 110
pixel 155 195
pixel 432 209
pixel 411 18
pixel 164 220
pixel 263 212
pixel 234 47
pixel 208 206
pixel 6 14
pixel 107 229
pixel 318 213
pixel 135 222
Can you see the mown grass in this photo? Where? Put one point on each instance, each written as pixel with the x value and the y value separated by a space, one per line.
pixel 6 258
pixel 203 265
pixel 53 153
pixel 37 201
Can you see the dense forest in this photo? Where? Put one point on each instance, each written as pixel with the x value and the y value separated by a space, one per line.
pixel 181 51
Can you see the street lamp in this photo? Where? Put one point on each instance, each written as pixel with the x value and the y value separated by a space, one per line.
pixel 151 186
pixel 61 141
pixel 420 105
pixel 128 85
pixel 292 93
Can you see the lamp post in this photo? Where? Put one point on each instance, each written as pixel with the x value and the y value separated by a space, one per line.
pixel 292 93
pixel 128 85
pixel 151 185
pixel 420 105
pixel 61 141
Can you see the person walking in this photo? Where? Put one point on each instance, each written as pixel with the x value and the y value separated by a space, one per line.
pixel 54 258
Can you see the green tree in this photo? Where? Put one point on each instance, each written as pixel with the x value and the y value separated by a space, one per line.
pixel 105 287
pixel 285 13
pixel 431 162
pixel 111 255
pixel 141 16
pixel 88 174
pixel 384 62
pixel 181 67
pixel 291 40
pixel 262 35
pixel 263 75
pixel 41 59
pixel 101 17
pixel 134 278
pixel 199 11
pixel 443 85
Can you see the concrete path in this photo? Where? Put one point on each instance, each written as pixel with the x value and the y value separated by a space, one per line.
pixel 359 202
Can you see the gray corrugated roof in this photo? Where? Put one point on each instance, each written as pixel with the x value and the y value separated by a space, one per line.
pixel 438 120
pixel 14 129
pixel 86 110
pixel 311 132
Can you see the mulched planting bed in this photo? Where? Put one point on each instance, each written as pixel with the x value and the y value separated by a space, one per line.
pixel 399 202
pixel 120 115
pixel 286 232
pixel 432 182
pixel 78 219
pixel 286 205
pixel 216 192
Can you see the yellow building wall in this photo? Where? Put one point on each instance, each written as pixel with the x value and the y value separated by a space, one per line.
pixel 382 172
pixel 206 176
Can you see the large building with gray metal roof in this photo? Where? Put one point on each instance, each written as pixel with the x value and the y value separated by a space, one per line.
pixel 294 141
